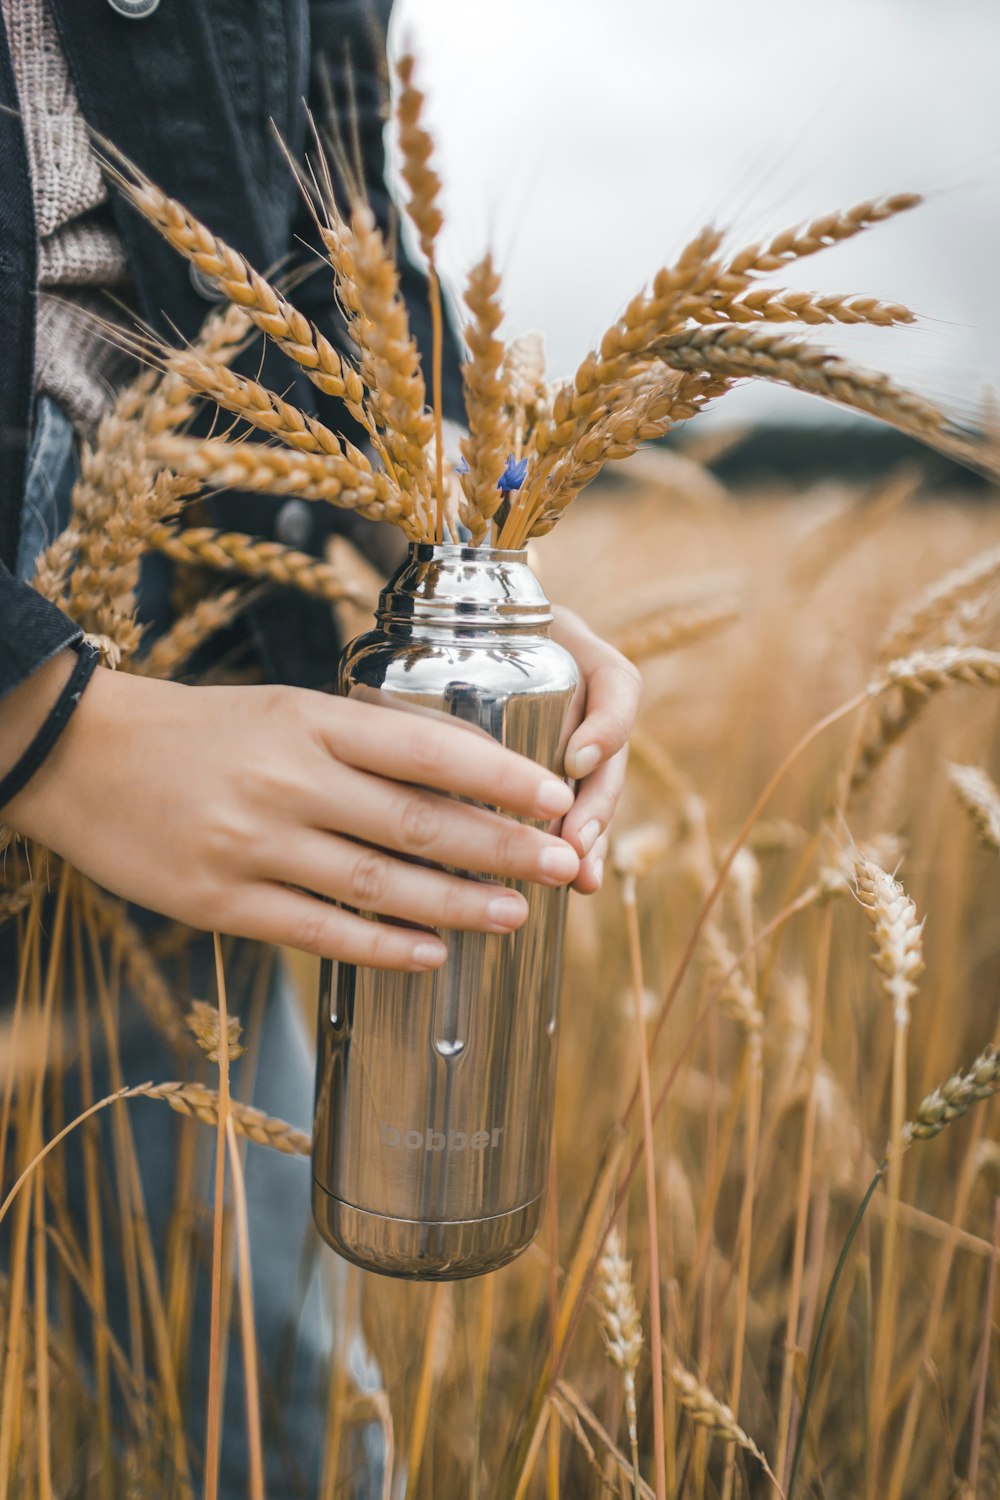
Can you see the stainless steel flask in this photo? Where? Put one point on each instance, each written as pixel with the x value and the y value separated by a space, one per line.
pixel 435 1092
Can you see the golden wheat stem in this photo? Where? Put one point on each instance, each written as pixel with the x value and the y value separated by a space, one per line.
pixel 655 1325
pixel 481 1370
pixel 425 1387
pixel 216 1354
pixel 976 1440
pixel 43 1415
pixel 248 1336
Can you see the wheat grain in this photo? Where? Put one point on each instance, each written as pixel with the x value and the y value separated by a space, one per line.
pixel 980 797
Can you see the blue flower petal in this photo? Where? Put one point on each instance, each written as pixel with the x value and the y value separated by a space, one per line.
pixel 512 477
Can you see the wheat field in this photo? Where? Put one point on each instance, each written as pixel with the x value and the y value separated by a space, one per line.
pixel 769 1263
pixel 788 1039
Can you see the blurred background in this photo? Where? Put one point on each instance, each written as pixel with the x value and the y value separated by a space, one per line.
pixel 609 134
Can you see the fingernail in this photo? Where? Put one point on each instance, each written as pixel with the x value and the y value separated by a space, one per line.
pixel 589 834
pixel 554 799
pixel 559 862
pixel 507 911
pixel 429 955
pixel 598 869
pixel 586 760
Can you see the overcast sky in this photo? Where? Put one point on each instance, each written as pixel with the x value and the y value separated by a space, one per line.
pixel 586 140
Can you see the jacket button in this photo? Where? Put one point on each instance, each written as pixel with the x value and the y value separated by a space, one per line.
pixel 134 10
pixel 294 523
pixel 204 285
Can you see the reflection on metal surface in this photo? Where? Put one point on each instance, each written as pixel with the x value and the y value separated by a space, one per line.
pixel 435 1091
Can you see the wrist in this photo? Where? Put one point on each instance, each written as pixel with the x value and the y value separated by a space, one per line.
pixel 38 719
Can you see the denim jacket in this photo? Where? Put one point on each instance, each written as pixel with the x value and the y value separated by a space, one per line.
pixel 197 95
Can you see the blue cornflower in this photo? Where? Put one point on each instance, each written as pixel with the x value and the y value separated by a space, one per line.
pixel 461 467
pixel 512 477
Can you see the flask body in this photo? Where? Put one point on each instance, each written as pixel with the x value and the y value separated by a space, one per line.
pixel 435 1091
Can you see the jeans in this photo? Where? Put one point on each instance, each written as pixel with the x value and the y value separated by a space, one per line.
pixel 298 1286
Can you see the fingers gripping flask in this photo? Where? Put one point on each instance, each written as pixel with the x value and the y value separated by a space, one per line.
pixel 435 1091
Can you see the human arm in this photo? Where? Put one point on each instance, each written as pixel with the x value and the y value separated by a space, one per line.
pixel 227 807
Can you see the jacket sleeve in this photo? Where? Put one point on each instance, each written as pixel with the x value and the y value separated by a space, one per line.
pixel 348 92
pixel 31 631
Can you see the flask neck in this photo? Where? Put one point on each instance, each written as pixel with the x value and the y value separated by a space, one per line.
pixel 466 588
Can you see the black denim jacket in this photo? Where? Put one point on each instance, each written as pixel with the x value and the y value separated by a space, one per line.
pixel 194 92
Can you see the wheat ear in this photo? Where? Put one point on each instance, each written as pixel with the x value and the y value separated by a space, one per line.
pixel 621 1327
pixel 176 646
pixel 237 551
pixel 980 797
pixel 266 307
pixel 910 683
pixel 670 632
pixel 486 396
pixel 276 471
pixel 416 148
pixel 955 1097
pixel 818 234
pixel 898 934
pixel 707 1411
pixel 740 352
pixel 940 601
pixel 779 305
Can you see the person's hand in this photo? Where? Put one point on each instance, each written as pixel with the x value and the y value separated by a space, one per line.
pixel 226 807
pixel 597 752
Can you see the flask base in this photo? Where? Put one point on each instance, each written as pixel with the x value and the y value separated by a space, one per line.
pixel 417 1250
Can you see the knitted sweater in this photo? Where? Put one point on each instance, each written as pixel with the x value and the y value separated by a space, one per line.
pixel 80 256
